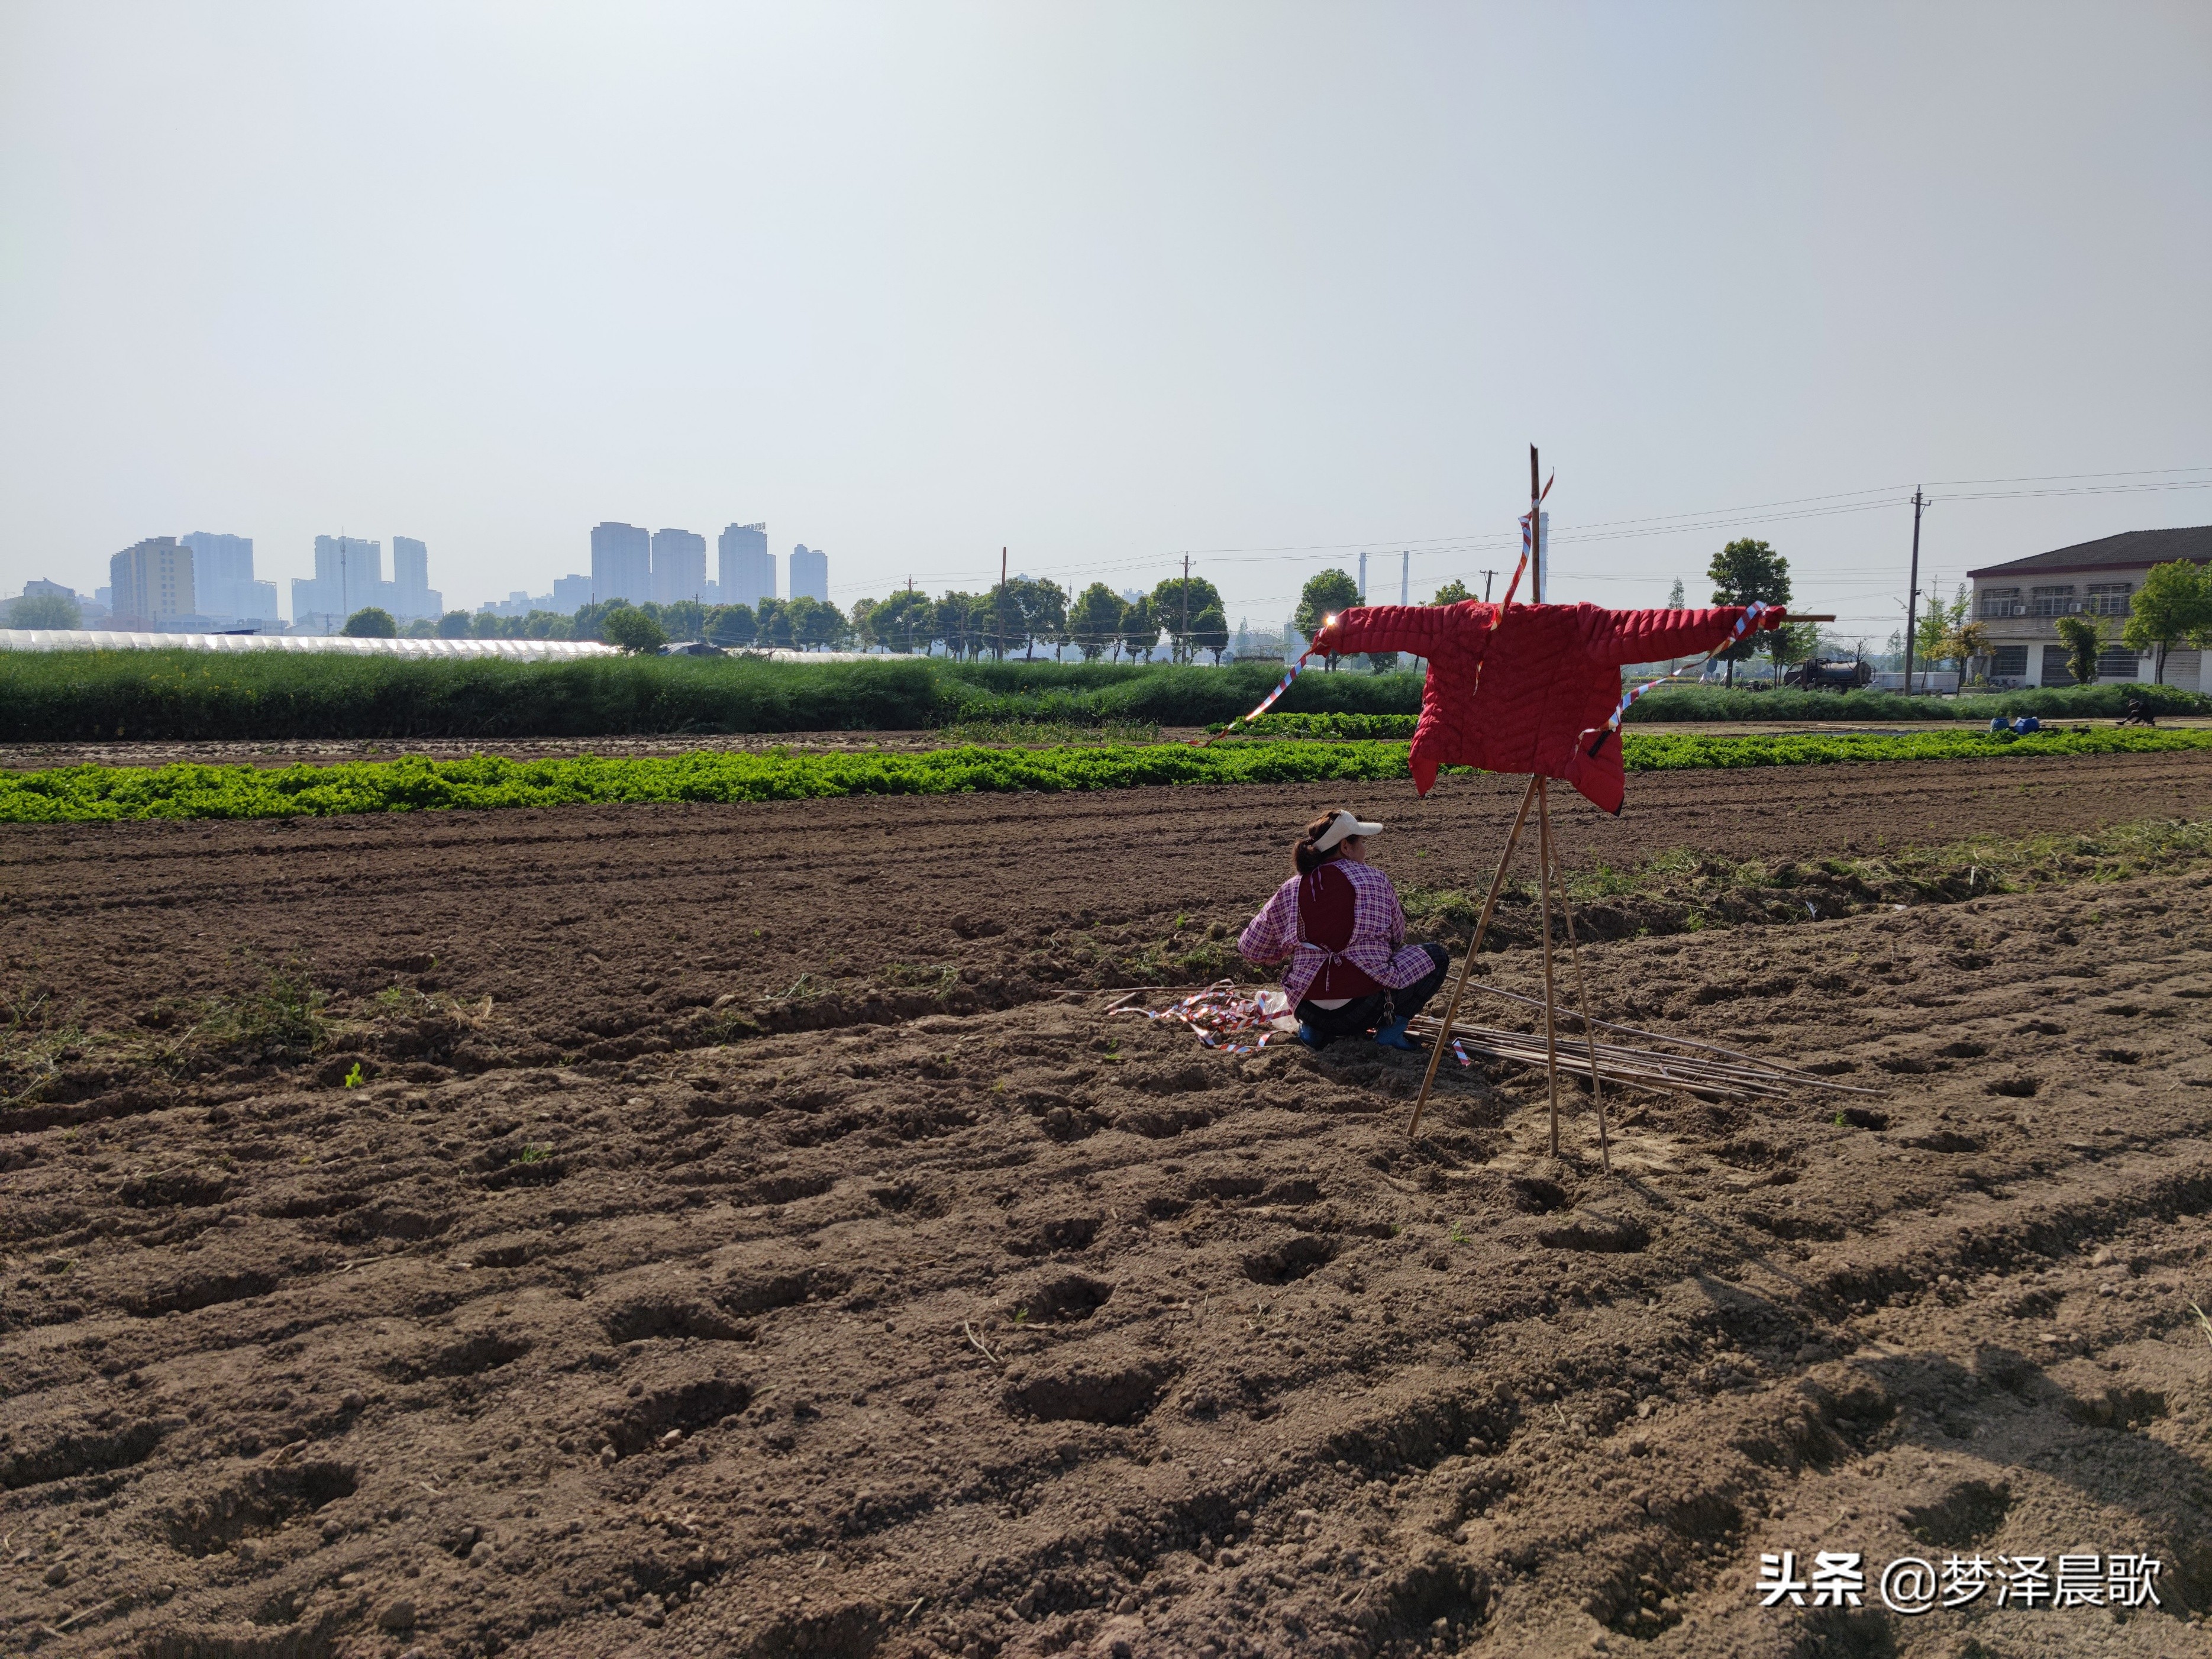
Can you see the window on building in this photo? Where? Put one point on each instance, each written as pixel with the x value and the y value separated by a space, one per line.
pixel 2109 599
pixel 2116 662
pixel 2055 669
pixel 2001 602
pixel 2008 662
pixel 2052 601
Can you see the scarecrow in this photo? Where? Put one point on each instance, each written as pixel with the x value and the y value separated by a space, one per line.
pixel 1530 688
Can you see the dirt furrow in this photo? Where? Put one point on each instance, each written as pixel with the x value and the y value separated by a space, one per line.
pixel 1031 1330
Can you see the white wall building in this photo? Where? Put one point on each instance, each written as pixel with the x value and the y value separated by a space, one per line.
pixel 2020 604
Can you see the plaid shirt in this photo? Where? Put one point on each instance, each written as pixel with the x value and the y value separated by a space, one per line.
pixel 1378 932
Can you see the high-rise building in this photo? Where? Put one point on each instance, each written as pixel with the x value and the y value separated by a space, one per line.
pixel 679 566
pixel 622 562
pixel 349 577
pixel 571 593
pixel 809 573
pixel 748 569
pixel 222 578
pixel 412 596
pixel 153 582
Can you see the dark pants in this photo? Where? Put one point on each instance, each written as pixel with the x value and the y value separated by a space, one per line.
pixel 1364 1014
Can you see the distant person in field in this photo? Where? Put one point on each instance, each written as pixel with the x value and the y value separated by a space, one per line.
pixel 1338 924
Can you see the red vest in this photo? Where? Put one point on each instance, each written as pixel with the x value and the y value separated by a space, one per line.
pixel 1326 904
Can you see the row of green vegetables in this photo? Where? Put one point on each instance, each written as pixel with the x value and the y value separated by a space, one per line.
pixel 86 793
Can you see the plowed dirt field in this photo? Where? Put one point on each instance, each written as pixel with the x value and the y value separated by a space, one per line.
pixel 744 1230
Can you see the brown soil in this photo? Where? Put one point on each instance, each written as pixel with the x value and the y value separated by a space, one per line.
pixel 601 1318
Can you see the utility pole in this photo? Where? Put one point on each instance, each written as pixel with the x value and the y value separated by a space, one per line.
pixel 1535 532
pixel 1185 640
pixel 1912 590
pixel 1363 579
pixel 1488 576
pixel 1406 576
pixel 1002 604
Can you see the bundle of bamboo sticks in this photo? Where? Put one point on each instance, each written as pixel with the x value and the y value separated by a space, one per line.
pixel 1684 1067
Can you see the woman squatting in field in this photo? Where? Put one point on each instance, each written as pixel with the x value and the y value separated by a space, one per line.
pixel 1338 923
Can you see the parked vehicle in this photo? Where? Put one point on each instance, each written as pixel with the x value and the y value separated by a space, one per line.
pixel 1824 675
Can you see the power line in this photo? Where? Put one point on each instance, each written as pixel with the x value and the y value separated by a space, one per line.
pixel 1789 509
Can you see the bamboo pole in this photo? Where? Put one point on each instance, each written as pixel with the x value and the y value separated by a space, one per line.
pixel 1629 1068
pixel 1756 1066
pixel 1551 993
pixel 1459 984
pixel 1581 989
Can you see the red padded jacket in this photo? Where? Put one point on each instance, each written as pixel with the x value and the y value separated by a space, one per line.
pixel 1529 693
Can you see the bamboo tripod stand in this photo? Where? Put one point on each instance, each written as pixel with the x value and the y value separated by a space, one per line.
pixel 1548 874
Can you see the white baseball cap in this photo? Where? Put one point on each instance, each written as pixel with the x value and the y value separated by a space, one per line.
pixel 1342 825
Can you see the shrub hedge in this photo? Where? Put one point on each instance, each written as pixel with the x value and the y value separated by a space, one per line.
pixel 91 696
pixel 65 697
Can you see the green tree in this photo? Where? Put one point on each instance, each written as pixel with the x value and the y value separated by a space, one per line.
pixel 1963 643
pixel 2172 607
pixel 1178 603
pixel 905 621
pixel 371 622
pixel 1934 634
pixel 630 630
pixel 1044 611
pixel 861 621
pixel 1323 597
pixel 1025 610
pixel 773 621
pixel 454 625
pixel 1794 643
pixel 816 624
pixel 2083 637
pixel 1452 592
pixel 1209 631
pixel 46 610
pixel 1094 621
pixel 682 619
pixel 1745 573
pixel 1676 600
pixel 963 623
pixel 1140 630
pixel 420 628
pixel 730 624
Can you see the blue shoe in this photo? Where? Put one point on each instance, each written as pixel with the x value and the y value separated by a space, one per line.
pixel 1311 1038
pixel 1395 1036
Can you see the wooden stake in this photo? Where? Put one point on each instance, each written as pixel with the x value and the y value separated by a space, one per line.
pixel 1481 927
pixel 1551 994
pixel 1581 991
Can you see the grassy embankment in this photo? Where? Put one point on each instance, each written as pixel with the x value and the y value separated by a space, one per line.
pixel 79 793
pixel 194 696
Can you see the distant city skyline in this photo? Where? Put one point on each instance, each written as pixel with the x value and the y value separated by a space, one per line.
pixel 626 561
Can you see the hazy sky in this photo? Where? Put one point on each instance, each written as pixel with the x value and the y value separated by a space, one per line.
pixel 1101 283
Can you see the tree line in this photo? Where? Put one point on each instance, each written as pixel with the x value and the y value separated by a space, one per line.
pixel 1017 616
pixel 2172 608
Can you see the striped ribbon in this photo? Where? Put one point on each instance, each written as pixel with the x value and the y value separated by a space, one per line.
pixel 1266 703
pixel 1217 1014
pixel 1751 613
pixel 1527 539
